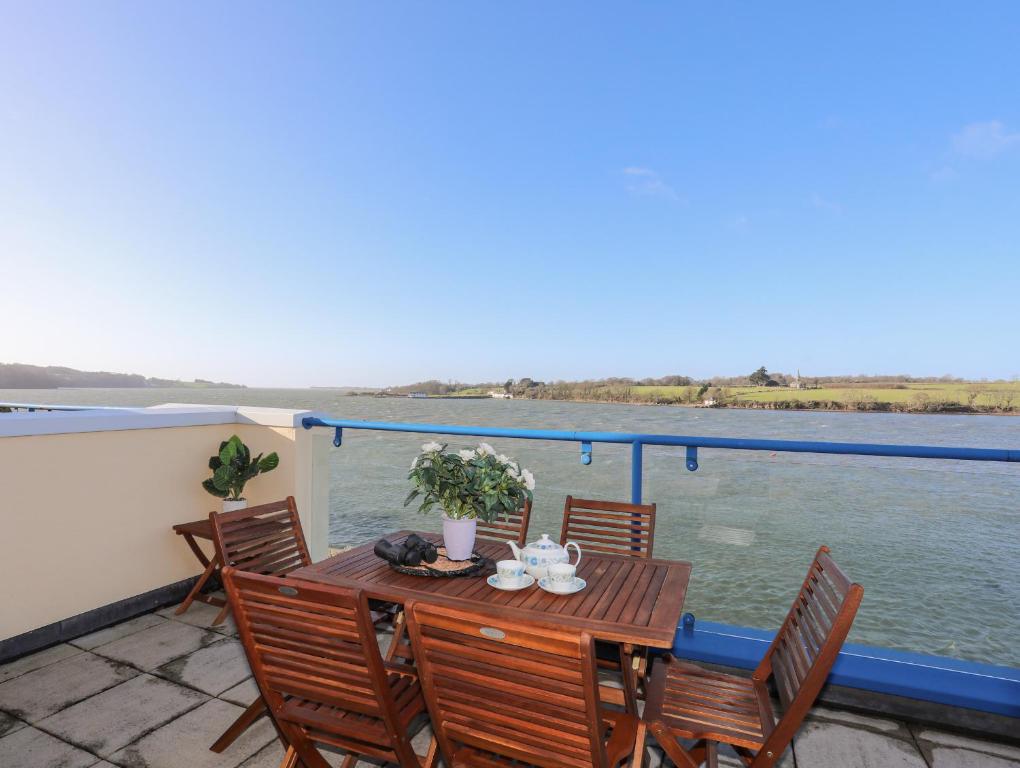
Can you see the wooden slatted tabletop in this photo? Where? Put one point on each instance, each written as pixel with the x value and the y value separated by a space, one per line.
pixel 627 600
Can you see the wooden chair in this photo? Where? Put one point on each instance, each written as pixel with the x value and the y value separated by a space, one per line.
pixel 686 701
pixel 609 527
pixel 615 528
pixel 514 528
pixel 268 540
pixel 501 689
pixel 313 651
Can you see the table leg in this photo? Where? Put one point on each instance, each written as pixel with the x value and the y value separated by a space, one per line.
pixel 195 593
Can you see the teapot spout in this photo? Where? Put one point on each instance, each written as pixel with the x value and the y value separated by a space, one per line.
pixel 516 550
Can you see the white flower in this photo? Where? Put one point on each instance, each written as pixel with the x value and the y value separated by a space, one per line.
pixel 503 459
pixel 431 447
pixel 528 478
pixel 466 454
pixel 414 462
pixel 484 449
pixel 511 470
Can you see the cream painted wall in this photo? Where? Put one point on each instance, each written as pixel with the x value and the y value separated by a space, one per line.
pixel 86 517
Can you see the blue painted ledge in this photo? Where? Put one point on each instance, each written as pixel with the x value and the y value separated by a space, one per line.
pixel 955 682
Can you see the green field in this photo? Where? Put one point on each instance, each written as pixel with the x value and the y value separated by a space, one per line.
pixel 988 395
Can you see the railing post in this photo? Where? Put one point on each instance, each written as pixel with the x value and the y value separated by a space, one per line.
pixel 636 471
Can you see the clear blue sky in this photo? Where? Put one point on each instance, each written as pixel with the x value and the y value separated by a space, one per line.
pixel 318 194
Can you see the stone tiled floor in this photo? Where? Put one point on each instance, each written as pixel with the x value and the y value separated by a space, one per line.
pixel 155 691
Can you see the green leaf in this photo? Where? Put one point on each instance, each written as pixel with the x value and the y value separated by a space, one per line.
pixel 215 463
pixel 269 463
pixel 412 496
pixel 211 488
pixel 228 451
pixel 223 477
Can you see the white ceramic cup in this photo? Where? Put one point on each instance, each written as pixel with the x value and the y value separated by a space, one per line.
pixel 561 575
pixel 510 572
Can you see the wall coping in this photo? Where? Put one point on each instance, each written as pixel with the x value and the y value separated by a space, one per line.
pixel 163 416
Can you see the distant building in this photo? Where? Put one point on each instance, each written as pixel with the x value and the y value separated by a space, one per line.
pixel 501 395
pixel 419 394
pixel 798 382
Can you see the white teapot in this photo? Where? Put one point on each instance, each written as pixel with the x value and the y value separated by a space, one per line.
pixel 539 555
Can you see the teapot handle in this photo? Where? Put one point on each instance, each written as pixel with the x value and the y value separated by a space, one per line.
pixel 576 546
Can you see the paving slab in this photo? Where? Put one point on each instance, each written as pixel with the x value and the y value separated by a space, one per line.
pixel 185 741
pixel 38 660
pixel 213 669
pixel 828 745
pixel 9 724
pixel 930 739
pixel 116 632
pixel 119 716
pixel 41 692
pixel 201 615
pixel 243 693
pixel 950 757
pixel 31 748
pixel 157 645
pixel 270 757
pixel 867 722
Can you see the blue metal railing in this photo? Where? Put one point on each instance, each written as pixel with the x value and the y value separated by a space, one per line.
pixel 955 682
pixel 637 441
pixel 32 407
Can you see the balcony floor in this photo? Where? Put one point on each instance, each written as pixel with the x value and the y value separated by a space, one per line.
pixel 155 691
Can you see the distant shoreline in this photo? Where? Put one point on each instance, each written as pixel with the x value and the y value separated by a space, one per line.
pixel 824 406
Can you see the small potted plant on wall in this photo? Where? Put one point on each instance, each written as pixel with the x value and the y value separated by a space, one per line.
pixel 232 467
pixel 468 485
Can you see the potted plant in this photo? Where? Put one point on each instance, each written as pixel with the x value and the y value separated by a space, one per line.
pixel 232 467
pixel 468 485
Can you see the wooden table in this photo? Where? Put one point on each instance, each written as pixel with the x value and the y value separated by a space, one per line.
pixel 201 529
pixel 627 600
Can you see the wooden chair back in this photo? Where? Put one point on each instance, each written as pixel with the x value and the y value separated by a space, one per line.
pixel 313 651
pixel 265 539
pixel 610 527
pixel 806 646
pixel 512 528
pixel 506 688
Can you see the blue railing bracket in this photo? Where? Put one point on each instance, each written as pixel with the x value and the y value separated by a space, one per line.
pixel 692 458
pixel 687 623
pixel 586 452
pixel 338 438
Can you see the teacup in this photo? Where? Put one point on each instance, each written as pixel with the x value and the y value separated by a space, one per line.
pixel 561 575
pixel 510 572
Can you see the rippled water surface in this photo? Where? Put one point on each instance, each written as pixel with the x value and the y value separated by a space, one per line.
pixel 935 543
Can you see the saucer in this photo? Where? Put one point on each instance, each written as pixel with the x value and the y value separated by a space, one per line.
pixel 546 583
pixel 526 581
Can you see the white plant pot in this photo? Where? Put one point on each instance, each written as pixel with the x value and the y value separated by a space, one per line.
pixel 459 537
pixel 231 505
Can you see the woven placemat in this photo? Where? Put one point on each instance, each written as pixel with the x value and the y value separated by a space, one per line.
pixel 444 567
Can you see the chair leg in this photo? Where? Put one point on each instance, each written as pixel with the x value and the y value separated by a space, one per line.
pixel 255 710
pixel 197 589
pixel 399 633
pixel 430 756
pixel 672 747
pixel 712 754
pixel 639 745
pixel 349 761
pixel 629 675
pixel 224 611
pixel 290 759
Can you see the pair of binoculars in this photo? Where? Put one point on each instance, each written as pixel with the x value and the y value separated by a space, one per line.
pixel 413 552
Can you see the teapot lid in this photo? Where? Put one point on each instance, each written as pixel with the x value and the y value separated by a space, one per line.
pixel 545 543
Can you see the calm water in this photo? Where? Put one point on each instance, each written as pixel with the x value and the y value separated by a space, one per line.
pixel 934 542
